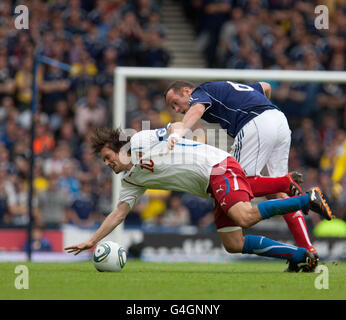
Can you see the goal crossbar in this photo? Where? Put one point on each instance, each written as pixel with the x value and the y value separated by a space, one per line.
pixel 232 74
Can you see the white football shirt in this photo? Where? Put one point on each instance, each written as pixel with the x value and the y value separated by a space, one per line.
pixel 186 168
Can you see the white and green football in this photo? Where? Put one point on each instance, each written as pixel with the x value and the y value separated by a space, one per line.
pixel 109 256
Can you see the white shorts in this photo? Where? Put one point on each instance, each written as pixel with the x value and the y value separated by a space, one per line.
pixel 264 142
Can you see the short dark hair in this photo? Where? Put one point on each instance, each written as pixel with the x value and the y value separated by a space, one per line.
pixel 113 139
pixel 178 85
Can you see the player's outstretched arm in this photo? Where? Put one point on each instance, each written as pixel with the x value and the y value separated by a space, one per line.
pixel 179 129
pixel 109 224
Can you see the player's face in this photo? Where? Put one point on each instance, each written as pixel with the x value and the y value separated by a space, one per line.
pixel 113 160
pixel 179 100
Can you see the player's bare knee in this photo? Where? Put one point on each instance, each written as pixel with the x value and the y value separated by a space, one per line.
pixel 232 249
pixel 233 242
pixel 236 246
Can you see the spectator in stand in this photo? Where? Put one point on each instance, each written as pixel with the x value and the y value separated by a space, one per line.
pixel 144 9
pixel 332 98
pixel 116 41
pixel 8 188
pixel 61 114
pixel 40 182
pixel 132 33
pixel 109 57
pixel 4 210
pixel 10 136
pixel 82 211
pixel 154 24
pixel 155 120
pixel 19 209
pixel 305 131
pixel 104 203
pixel 215 14
pixel 59 31
pixel 52 205
pixel 23 79
pixel 312 154
pixel 39 242
pixel 84 69
pixel 199 209
pixel 56 162
pixel 87 162
pixel 136 93
pixel 177 214
pixel 75 21
pixel 328 128
pixel 310 178
pixel 90 110
pixel 112 15
pixel 53 87
pixel 144 107
pixel 291 97
pixel 152 52
pixel 93 42
pixel 105 81
pixel 7 84
pixel 5 13
pixel 100 10
pixel 6 161
pixel 8 111
pixel 68 180
pixel 155 206
pixel 68 136
pixel 44 141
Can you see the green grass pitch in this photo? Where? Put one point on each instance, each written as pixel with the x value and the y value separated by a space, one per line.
pixel 171 281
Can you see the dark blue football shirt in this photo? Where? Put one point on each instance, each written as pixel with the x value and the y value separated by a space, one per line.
pixel 231 104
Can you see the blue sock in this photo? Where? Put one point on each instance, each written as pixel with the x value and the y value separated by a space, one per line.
pixel 283 206
pixel 263 246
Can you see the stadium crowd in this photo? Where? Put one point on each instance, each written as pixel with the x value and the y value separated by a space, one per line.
pixel 94 37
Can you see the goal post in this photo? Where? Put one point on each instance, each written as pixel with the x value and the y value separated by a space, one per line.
pixel 122 74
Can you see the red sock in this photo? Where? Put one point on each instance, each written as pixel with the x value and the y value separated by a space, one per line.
pixel 296 223
pixel 262 186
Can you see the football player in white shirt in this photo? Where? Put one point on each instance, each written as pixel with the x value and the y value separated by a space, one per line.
pixel 204 171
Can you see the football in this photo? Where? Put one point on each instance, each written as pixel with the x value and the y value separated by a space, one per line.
pixel 109 256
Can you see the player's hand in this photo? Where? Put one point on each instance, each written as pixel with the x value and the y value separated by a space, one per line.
pixel 172 140
pixel 171 143
pixel 76 249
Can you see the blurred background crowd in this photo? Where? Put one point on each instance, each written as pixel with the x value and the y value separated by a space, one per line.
pixel 72 186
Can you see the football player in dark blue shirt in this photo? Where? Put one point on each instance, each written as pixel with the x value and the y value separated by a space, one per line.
pixel 260 130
